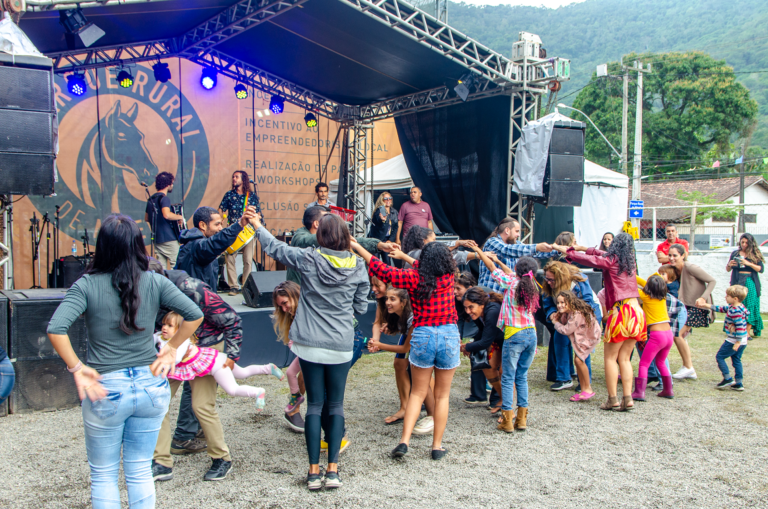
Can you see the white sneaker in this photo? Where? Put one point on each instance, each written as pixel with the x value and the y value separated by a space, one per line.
pixel 685 373
pixel 425 426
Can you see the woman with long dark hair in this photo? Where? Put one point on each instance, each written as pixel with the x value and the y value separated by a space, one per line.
pixel 334 287
pixel 484 308
pixel 744 265
pixel 695 283
pixel 435 340
pixel 605 242
pixel 124 390
pixel 626 320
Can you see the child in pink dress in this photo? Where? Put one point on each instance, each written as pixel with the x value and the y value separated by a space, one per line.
pixel 576 319
pixel 194 361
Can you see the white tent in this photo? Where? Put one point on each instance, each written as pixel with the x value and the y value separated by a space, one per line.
pixel 603 209
pixel 604 206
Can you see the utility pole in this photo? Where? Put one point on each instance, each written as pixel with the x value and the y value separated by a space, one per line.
pixel 742 226
pixel 638 164
pixel 624 118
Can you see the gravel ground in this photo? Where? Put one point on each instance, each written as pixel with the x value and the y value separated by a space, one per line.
pixel 706 448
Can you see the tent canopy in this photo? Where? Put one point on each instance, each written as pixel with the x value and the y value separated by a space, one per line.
pixel 596 174
pixel 391 174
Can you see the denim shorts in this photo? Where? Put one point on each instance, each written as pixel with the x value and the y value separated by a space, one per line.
pixel 436 347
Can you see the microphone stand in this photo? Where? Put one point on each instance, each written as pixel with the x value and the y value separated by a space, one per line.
pixel 33 235
pixel 86 245
pixel 56 266
pixel 154 220
pixel 47 249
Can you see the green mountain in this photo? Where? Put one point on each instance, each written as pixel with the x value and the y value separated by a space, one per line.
pixel 601 31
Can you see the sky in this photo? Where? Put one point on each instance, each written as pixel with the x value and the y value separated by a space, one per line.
pixel 552 4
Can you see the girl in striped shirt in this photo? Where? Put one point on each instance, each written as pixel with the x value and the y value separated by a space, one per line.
pixel 521 299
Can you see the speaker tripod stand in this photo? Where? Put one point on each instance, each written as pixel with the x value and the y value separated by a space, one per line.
pixel 35 228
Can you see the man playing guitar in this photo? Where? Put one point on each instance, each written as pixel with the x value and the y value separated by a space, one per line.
pixel 166 241
pixel 232 206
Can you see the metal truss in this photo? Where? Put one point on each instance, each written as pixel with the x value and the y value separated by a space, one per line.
pixel 524 108
pixel 427 30
pixel 51 5
pixel 357 174
pixel 231 22
pixel 109 56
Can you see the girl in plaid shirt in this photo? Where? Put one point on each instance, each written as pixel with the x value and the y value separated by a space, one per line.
pixel 435 339
pixel 521 299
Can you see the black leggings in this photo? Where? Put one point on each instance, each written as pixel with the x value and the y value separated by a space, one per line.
pixel 323 380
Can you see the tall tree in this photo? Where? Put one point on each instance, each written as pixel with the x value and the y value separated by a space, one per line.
pixel 692 106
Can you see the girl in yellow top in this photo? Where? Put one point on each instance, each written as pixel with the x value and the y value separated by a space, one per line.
pixel 653 294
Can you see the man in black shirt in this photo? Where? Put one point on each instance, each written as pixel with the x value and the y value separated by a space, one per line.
pixel 166 242
pixel 232 206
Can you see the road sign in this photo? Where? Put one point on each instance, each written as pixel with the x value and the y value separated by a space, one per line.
pixel 635 213
pixel 635 204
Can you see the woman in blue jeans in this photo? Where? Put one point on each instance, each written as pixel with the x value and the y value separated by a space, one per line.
pixel 521 299
pixel 124 390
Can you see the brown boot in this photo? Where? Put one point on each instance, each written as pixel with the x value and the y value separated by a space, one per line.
pixel 508 421
pixel 520 420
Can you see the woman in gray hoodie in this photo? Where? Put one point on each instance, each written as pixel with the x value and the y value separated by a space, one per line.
pixel 334 287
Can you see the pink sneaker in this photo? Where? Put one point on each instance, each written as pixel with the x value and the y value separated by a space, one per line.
pixel 295 401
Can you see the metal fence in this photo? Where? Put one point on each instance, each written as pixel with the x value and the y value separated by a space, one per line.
pixel 705 227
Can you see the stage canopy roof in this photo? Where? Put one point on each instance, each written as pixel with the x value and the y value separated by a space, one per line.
pixel 346 59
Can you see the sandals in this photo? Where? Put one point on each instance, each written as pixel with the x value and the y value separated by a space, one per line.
pixel 624 406
pixel 495 409
pixel 582 396
pixel 612 403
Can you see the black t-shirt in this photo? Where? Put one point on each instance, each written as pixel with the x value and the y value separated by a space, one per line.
pixel 163 232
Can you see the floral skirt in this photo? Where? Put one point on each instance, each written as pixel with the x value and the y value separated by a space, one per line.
pixel 626 320
pixel 697 317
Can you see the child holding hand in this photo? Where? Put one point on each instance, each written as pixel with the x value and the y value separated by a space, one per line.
pixel 736 337
pixel 576 319
pixel 194 361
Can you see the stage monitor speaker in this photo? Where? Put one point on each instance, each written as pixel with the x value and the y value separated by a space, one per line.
pixel 42 379
pixel 27 125
pixel 4 342
pixel 257 290
pixel 69 269
pixel 567 141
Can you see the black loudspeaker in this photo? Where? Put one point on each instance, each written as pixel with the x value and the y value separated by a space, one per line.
pixel 42 379
pixel 27 125
pixel 567 141
pixel 564 174
pixel 4 342
pixel 257 290
pixel 69 269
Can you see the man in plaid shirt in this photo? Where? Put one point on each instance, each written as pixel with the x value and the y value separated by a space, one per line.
pixel 503 242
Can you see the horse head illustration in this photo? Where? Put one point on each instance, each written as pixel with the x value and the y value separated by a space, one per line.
pixel 123 145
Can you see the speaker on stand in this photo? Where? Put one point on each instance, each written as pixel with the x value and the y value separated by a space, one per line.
pixel 42 379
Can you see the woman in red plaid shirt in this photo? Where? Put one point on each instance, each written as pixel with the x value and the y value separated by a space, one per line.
pixel 435 341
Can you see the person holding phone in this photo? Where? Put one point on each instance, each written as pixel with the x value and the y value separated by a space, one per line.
pixel 384 221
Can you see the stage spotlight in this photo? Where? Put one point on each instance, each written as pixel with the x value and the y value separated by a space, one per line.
pixel 240 91
pixel 462 89
pixel 76 24
pixel 277 104
pixel 76 84
pixel 310 119
pixel 124 79
pixel 162 72
pixel 209 79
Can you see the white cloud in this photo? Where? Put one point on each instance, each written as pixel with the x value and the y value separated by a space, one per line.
pixel 552 4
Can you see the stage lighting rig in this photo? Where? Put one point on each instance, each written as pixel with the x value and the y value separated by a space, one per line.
pixel 124 78
pixel 310 119
pixel 76 84
pixel 240 91
pixel 277 104
pixel 76 24
pixel 162 72
pixel 209 78
pixel 464 86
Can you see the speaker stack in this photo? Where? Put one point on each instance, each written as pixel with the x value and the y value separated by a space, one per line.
pixel 42 379
pixel 564 176
pixel 27 125
pixel 4 342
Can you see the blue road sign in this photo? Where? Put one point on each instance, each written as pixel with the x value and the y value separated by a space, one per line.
pixel 634 213
pixel 636 204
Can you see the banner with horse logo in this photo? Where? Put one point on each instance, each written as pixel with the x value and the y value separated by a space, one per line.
pixel 114 141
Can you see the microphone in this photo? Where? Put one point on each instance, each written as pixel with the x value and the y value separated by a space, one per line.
pixel 143 184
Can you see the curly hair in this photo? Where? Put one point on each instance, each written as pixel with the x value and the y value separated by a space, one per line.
pixel 398 322
pixel 415 238
pixel 576 305
pixel 435 262
pixel 282 321
pixel 527 290
pixel 163 180
pixel 564 274
pixel 623 248
pixel 753 251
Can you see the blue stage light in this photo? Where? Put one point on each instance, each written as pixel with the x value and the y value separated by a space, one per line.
pixel 240 91
pixel 209 79
pixel 277 104
pixel 76 84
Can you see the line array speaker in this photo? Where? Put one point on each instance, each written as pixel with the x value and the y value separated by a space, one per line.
pixel 27 125
pixel 42 379
pixel 564 174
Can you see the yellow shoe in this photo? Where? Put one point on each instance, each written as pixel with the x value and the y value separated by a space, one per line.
pixel 344 444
